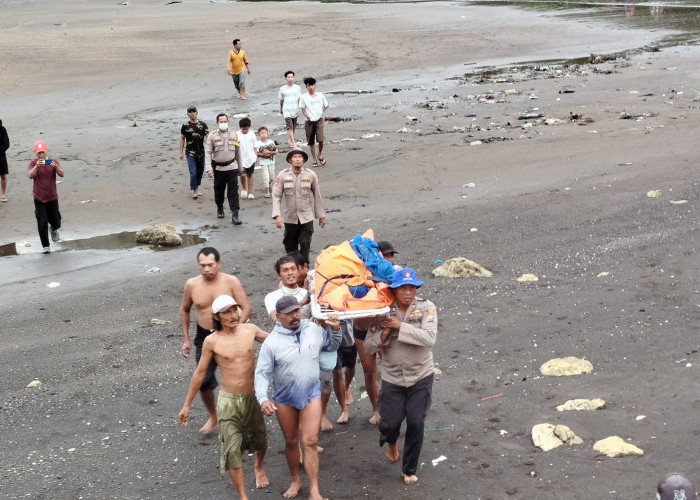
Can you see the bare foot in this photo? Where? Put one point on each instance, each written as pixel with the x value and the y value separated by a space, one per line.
pixel 293 490
pixel 409 479
pixel 348 398
pixel 375 418
pixel 316 496
pixel 392 452
pixel 244 98
pixel 326 424
pixel 319 449
pixel 208 427
pixel 343 418
pixel 261 480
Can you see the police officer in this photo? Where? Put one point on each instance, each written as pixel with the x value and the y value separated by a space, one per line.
pixel 405 340
pixel 221 150
pixel 296 202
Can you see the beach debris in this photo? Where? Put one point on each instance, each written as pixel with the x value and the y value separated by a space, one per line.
pixel 437 371
pixel 547 436
pixel 651 48
pixel 412 118
pixel 640 417
pixel 371 134
pixel 459 267
pixel 654 193
pixel 153 270
pixel 406 130
pixel 24 244
pixel 34 383
pixel 439 459
pixel 601 58
pixel 567 90
pixel 87 201
pixel 486 398
pixel 159 234
pixel 511 92
pixel 395 90
pixel 156 321
pixel 473 230
pixel 530 115
pixel 580 119
pixel 615 446
pixel 135 124
pixel 172 2
pixel 602 274
pixel 564 367
pixel 553 121
pixel 53 284
pixel 582 405
pixel 475 143
pixel 469 185
pixel 671 68
pixel 678 202
pixel 528 277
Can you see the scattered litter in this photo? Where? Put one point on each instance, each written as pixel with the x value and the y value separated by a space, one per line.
pixel 437 371
pixel 688 365
pixel 438 261
pixel 640 417
pixel 469 185
pixel 439 459
pixel 396 90
pixel 528 277
pixel 602 274
pixel 503 432
pixel 412 118
pixel 486 398
pixel 653 193
pixel 567 90
pixel 530 115
pixel 34 383
pixel 53 284
pixel 671 68
pixel 475 143
pixel 473 230
pixel 625 164
pixel 135 124
pixel 406 130
pixel 24 244
pixel 153 270
pixel 363 395
pixel 156 321
pixel 678 202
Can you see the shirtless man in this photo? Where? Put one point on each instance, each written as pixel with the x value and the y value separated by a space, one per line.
pixel 201 292
pixel 241 424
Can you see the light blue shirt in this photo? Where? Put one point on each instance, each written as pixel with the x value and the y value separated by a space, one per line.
pixel 290 359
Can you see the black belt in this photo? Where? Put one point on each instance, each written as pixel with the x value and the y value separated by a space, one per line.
pixel 225 164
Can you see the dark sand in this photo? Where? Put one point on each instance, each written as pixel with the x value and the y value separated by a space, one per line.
pixel 563 201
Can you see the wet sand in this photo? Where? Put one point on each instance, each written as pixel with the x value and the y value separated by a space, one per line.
pixel 561 200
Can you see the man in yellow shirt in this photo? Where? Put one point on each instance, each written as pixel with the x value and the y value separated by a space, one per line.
pixel 237 66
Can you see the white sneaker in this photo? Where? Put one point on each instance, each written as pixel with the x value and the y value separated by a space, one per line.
pixel 251 197
pixel 54 235
pixel 244 194
pixel 47 250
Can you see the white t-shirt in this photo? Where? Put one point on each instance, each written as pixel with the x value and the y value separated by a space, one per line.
pixel 248 156
pixel 313 105
pixel 290 96
pixel 299 293
pixel 259 145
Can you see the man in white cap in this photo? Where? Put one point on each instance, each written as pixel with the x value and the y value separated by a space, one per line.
pixel 405 340
pixel 43 171
pixel 241 424
pixel 289 358
pixel 296 202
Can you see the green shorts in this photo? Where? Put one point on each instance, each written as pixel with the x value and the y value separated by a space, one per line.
pixel 241 427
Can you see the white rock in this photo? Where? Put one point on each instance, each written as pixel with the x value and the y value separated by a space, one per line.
pixel 156 321
pixel 615 446
pixel 528 277
pixel 53 284
pixel 582 405
pixel 653 194
pixel 459 267
pixel 560 367
pixel 34 383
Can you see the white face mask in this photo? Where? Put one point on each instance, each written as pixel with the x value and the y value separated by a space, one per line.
pixel 223 126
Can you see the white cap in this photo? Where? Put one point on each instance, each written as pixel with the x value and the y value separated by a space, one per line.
pixel 222 302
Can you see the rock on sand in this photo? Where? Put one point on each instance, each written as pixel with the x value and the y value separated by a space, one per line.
pixel 615 446
pixel 548 436
pixel 159 234
pixel 582 404
pixel 561 367
pixel 459 267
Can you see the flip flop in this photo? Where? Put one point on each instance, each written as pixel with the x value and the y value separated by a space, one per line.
pixel 314 164
pixel 322 160
pixel 3 198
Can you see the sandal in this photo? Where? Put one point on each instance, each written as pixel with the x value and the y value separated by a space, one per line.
pixel 322 160
pixel 314 164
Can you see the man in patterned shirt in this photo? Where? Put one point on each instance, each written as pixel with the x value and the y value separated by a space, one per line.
pixel 192 136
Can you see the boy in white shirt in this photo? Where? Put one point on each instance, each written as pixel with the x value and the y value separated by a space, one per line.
pixel 266 149
pixel 312 105
pixel 248 157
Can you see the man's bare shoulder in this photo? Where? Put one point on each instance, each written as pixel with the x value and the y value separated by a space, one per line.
pixel 230 278
pixel 193 282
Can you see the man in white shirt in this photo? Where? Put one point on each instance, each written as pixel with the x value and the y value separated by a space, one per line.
pixel 313 104
pixel 289 95
pixel 288 271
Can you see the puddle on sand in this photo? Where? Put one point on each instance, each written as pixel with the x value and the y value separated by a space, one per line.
pixel 117 241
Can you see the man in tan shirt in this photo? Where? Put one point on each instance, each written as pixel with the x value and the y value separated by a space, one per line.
pixel 296 202
pixel 405 340
pixel 222 160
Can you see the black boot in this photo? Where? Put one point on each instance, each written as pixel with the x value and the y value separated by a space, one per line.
pixel 234 218
pixel 220 212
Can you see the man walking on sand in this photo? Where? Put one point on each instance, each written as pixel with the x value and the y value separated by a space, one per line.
pixel 289 95
pixel 192 135
pixel 241 423
pixel 221 150
pixel 405 340
pixel 312 105
pixel 289 358
pixel 4 146
pixel 201 291
pixel 237 67
pixel 43 171
pixel 296 202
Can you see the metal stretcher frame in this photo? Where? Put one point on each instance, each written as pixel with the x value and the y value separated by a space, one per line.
pixel 319 312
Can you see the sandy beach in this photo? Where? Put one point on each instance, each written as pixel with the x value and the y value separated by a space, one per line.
pixel 432 154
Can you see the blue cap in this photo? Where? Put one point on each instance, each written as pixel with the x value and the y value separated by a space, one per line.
pixel 405 276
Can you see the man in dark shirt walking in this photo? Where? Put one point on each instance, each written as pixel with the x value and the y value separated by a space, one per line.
pixel 192 136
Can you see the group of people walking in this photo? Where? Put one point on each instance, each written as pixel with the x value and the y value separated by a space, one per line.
pixel 293 360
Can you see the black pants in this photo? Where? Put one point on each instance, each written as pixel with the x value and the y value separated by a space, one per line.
pixel 209 383
pixel 297 238
pixel 46 213
pixel 226 180
pixel 412 403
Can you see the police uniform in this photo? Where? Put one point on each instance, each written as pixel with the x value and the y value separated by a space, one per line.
pixel 297 198
pixel 407 377
pixel 222 150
